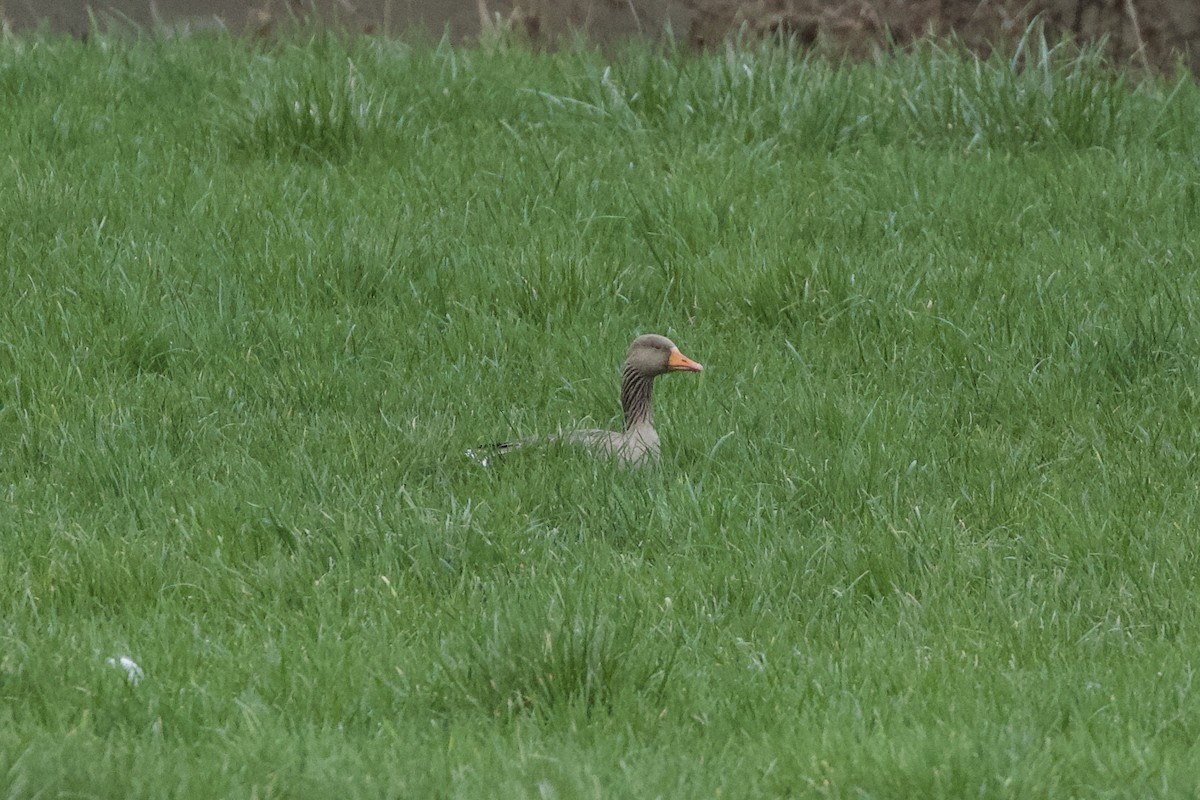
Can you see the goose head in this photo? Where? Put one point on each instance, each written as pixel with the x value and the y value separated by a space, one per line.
pixel 652 355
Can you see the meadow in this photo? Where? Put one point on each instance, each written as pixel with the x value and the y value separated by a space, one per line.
pixel 925 527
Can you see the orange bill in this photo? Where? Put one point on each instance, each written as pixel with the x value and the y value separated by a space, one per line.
pixel 678 362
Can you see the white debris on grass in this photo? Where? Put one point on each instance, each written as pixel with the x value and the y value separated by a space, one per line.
pixel 132 671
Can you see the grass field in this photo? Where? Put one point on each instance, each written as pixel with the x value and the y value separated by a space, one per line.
pixel 924 528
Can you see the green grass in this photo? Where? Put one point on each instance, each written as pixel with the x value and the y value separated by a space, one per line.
pixel 925 527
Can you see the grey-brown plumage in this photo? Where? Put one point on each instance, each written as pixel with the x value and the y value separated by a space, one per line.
pixel 649 356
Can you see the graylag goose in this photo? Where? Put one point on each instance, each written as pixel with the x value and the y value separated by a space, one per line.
pixel 649 356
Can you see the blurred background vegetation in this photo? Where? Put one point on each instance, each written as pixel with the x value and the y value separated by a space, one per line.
pixel 1158 35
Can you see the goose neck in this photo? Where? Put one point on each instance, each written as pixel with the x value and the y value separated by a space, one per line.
pixel 636 389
